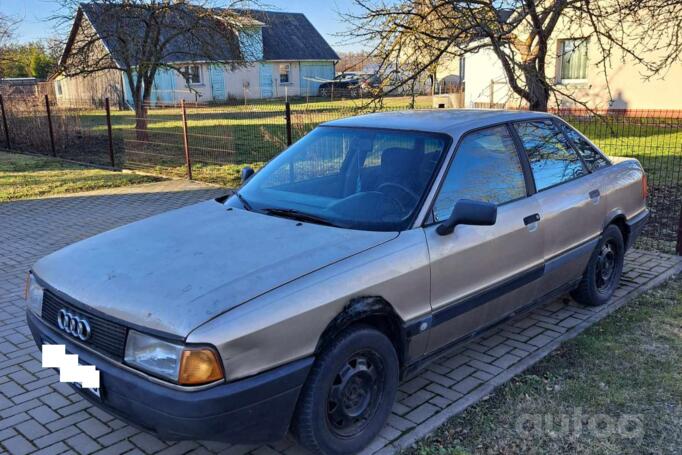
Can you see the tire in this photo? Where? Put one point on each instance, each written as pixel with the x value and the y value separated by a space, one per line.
pixel 603 272
pixel 341 387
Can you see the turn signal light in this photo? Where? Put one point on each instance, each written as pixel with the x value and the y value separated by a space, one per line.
pixel 199 366
pixel 645 187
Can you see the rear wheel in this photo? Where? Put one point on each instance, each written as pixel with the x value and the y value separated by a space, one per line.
pixel 603 272
pixel 349 393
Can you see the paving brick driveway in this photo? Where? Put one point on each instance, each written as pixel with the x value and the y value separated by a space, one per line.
pixel 40 415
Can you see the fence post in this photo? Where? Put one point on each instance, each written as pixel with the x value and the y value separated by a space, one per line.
pixel 679 236
pixel 111 139
pixel 492 93
pixel 185 140
pixel 4 123
pixel 287 116
pixel 49 125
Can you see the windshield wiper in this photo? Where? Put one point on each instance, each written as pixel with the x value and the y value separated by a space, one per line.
pixel 244 202
pixel 299 216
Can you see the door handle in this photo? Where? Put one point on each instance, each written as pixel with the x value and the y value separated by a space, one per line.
pixel 530 219
pixel 595 195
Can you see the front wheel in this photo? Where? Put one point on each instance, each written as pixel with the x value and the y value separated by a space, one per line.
pixel 349 393
pixel 603 272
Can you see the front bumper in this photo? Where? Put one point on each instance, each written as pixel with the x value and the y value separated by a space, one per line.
pixel 256 409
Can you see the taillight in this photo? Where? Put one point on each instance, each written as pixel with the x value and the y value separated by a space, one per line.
pixel 645 187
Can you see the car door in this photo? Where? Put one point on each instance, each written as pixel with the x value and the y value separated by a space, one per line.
pixel 572 208
pixel 479 274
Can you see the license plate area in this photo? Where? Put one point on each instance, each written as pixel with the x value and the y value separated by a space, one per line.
pixel 96 392
pixel 91 391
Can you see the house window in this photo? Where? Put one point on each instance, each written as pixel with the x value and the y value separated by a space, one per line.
pixel 284 70
pixel 573 59
pixel 191 73
pixel 58 87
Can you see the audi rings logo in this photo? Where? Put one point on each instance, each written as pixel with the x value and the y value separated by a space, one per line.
pixel 74 325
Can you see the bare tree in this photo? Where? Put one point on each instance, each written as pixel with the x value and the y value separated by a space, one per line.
pixel 141 37
pixel 354 61
pixel 520 34
pixel 7 25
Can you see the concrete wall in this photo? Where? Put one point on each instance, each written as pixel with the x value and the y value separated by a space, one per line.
pixel 170 86
pixel 293 87
pixel 627 87
pixel 483 71
pixel 448 72
pixel 239 82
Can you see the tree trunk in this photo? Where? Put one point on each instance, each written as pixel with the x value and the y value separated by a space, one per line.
pixel 141 121
pixel 538 104
pixel 538 91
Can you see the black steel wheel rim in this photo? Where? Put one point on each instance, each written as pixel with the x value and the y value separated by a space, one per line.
pixel 355 394
pixel 607 262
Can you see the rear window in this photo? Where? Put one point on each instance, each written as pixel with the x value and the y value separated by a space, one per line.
pixel 552 159
pixel 593 158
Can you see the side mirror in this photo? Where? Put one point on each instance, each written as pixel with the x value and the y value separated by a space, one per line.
pixel 247 172
pixel 469 212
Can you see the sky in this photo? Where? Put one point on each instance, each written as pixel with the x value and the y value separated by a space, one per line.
pixel 34 17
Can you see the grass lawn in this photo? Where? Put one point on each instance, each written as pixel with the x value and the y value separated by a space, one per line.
pixel 227 175
pixel 615 389
pixel 23 177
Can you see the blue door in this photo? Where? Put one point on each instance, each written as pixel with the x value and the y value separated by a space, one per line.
pixel 217 78
pixel 127 93
pixel 164 87
pixel 265 80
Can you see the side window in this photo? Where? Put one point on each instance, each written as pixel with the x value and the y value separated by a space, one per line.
pixel 486 168
pixel 284 70
pixel 551 157
pixel 192 74
pixel 593 158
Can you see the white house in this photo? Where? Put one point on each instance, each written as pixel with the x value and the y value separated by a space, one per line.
pixel 288 57
pixel 575 67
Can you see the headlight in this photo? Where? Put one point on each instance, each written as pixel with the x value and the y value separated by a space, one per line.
pixel 34 295
pixel 152 355
pixel 177 363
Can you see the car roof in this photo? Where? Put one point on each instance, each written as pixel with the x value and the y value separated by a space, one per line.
pixel 451 121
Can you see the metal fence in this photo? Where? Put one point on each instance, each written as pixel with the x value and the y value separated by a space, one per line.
pixel 212 143
pixel 36 125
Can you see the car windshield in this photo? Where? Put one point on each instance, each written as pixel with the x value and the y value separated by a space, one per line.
pixel 356 178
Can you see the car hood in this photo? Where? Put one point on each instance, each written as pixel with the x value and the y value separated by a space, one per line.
pixel 174 271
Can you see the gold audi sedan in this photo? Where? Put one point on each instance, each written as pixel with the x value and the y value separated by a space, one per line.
pixel 371 246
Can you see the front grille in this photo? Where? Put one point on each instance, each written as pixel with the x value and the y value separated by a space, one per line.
pixel 107 337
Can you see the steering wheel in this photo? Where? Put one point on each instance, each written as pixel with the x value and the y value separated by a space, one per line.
pixel 400 187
